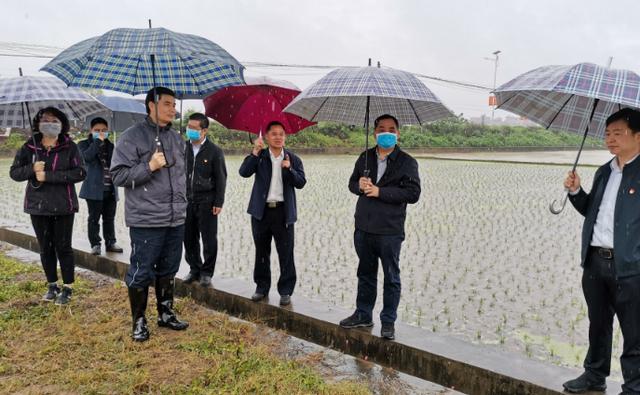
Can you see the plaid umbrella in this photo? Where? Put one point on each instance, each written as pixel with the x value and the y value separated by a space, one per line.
pixel 22 97
pixel 343 94
pixel 135 60
pixel 252 106
pixel 577 98
pixel 359 95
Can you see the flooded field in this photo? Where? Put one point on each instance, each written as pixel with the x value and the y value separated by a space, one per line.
pixel 483 259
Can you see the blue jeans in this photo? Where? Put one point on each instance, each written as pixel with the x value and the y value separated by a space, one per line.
pixel 371 248
pixel 155 252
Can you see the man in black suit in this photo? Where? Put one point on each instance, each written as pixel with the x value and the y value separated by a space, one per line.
pixel 611 255
pixel 278 172
pixel 206 183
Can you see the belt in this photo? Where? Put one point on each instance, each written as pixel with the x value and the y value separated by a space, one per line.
pixel 604 253
pixel 274 204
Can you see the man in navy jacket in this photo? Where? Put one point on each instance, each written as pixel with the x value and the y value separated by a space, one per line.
pixel 611 255
pixel 98 189
pixel 384 186
pixel 278 172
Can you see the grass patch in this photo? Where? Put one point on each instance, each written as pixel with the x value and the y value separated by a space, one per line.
pixel 85 347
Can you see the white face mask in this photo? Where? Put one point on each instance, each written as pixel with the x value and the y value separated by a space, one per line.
pixel 50 129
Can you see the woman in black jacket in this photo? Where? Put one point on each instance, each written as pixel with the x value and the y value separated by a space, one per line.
pixel 50 163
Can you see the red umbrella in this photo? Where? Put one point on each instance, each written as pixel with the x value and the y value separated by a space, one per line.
pixel 251 107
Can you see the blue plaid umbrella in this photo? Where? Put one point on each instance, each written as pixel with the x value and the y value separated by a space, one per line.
pixel 22 97
pixel 135 60
pixel 577 98
pixel 358 95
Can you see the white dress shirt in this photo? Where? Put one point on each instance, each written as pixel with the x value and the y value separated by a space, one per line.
pixel 276 193
pixel 603 229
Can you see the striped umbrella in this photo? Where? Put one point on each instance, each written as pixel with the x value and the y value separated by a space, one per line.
pixel 135 60
pixel 358 95
pixel 577 98
pixel 22 97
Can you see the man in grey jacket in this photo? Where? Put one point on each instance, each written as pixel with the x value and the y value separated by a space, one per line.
pixel 148 162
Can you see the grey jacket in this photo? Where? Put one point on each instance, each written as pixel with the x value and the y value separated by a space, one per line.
pixel 157 199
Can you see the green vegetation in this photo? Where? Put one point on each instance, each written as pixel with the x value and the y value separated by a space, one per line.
pixel 85 347
pixel 453 132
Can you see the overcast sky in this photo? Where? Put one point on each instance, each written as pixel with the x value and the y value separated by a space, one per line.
pixel 448 39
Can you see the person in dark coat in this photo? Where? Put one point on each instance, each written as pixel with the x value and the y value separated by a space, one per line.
pixel 206 182
pixel 148 162
pixel 51 164
pixel 98 189
pixel 384 189
pixel 278 172
pixel 611 255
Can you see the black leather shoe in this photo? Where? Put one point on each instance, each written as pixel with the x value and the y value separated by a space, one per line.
pixel 285 300
pixel 205 280
pixel 114 248
pixel 388 331
pixel 95 250
pixel 164 294
pixel 257 296
pixel 355 320
pixel 138 300
pixel 585 382
pixel 191 277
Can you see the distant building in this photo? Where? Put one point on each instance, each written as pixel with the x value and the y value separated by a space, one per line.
pixel 509 120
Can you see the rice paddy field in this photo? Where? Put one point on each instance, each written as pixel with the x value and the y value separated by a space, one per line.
pixel 483 259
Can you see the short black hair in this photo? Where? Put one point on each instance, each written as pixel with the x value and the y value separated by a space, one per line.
pixel 200 117
pixel 629 115
pixel 56 113
pixel 274 123
pixel 160 90
pixel 386 116
pixel 98 120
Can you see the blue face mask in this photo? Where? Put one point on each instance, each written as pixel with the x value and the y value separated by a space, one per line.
pixel 193 134
pixel 386 140
pixel 96 135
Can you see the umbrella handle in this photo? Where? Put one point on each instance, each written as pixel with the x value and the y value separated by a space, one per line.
pixel 557 210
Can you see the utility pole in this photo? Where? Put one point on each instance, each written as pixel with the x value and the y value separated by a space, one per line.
pixel 495 76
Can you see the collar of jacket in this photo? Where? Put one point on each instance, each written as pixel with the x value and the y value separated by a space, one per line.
pixel 265 153
pixel 152 124
pixel 633 165
pixel 35 142
pixel 393 155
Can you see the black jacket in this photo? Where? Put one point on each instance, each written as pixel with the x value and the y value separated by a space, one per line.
pixel 626 222
pixel 291 178
pixel 63 168
pixel 207 180
pixel 92 151
pixel 399 185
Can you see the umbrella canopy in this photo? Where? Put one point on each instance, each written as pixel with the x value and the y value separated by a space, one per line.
pixel 121 60
pixel 123 112
pixel 563 97
pixel 343 96
pixel 577 98
pixel 22 97
pixel 252 106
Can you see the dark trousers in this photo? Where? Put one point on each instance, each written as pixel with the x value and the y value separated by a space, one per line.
pixel 371 248
pixel 54 238
pixel 155 252
pixel 105 208
pixel 607 295
pixel 273 226
pixel 201 222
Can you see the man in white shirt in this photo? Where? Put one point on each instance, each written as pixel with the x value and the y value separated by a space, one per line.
pixel 611 255
pixel 278 172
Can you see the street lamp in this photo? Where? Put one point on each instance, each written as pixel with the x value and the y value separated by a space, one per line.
pixel 495 75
